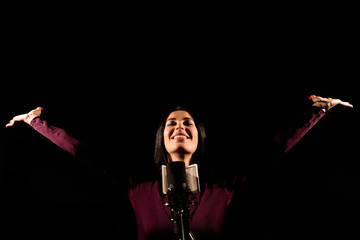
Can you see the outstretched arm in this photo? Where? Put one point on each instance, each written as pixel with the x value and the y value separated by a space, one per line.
pixel 290 135
pixel 57 135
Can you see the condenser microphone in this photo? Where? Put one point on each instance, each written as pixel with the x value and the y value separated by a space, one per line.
pixel 173 174
pixel 178 194
pixel 176 176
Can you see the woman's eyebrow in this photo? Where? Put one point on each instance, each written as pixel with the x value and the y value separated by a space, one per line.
pixel 185 118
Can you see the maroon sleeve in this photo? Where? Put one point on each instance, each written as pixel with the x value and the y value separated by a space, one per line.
pixel 58 136
pixel 290 135
pixel 81 151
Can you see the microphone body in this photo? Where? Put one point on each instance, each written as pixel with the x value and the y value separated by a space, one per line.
pixel 176 176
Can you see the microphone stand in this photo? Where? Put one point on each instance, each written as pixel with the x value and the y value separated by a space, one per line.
pixel 180 213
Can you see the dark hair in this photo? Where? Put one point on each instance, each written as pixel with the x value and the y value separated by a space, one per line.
pixel 160 153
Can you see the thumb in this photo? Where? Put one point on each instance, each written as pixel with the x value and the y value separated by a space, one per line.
pixel 10 124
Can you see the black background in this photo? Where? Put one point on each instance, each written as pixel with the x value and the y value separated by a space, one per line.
pixel 107 78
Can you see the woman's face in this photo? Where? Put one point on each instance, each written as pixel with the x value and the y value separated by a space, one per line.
pixel 180 134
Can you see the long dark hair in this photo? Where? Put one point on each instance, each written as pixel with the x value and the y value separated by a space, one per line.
pixel 160 153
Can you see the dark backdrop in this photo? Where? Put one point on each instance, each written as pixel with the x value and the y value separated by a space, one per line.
pixel 110 88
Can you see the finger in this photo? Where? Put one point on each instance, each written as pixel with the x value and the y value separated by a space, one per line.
pixel 312 97
pixel 10 124
pixel 346 104
pixel 37 110
pixel 315 98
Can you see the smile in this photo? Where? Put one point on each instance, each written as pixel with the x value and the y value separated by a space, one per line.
pixel 180 137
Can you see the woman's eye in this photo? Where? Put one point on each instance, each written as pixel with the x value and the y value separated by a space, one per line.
pixel 170 123
pixel 186 123
pixel 189 122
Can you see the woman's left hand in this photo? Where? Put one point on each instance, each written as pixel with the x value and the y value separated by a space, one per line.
pixel 328 103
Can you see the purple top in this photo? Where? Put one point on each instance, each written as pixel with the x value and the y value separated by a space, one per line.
pixel 147 201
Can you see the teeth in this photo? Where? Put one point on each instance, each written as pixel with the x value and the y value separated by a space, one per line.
pixel 180 136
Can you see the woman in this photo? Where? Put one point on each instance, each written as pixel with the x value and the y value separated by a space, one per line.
pixel 180 138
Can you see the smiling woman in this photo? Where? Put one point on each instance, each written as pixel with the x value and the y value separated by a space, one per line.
pixel 179 130
pixel 180 137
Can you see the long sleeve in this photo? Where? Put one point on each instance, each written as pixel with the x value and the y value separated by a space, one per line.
pixel 274 149
pixel 286 139
pixel 58 136
pixel 92 156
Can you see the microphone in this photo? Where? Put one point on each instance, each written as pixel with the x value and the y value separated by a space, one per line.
pixel 175 169
pixel 178 193
pixel 176 177
pixel 178 199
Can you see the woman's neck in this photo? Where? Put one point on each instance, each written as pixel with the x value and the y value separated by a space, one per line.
pixel 180 157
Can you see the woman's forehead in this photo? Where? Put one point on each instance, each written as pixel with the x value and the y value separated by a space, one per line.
pixel 179 114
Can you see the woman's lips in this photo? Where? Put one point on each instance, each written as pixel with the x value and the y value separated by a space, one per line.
pixel 180 137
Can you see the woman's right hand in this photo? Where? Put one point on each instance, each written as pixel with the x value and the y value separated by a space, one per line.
pixel 27 117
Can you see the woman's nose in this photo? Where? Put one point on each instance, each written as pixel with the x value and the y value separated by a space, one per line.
pixel 180 127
